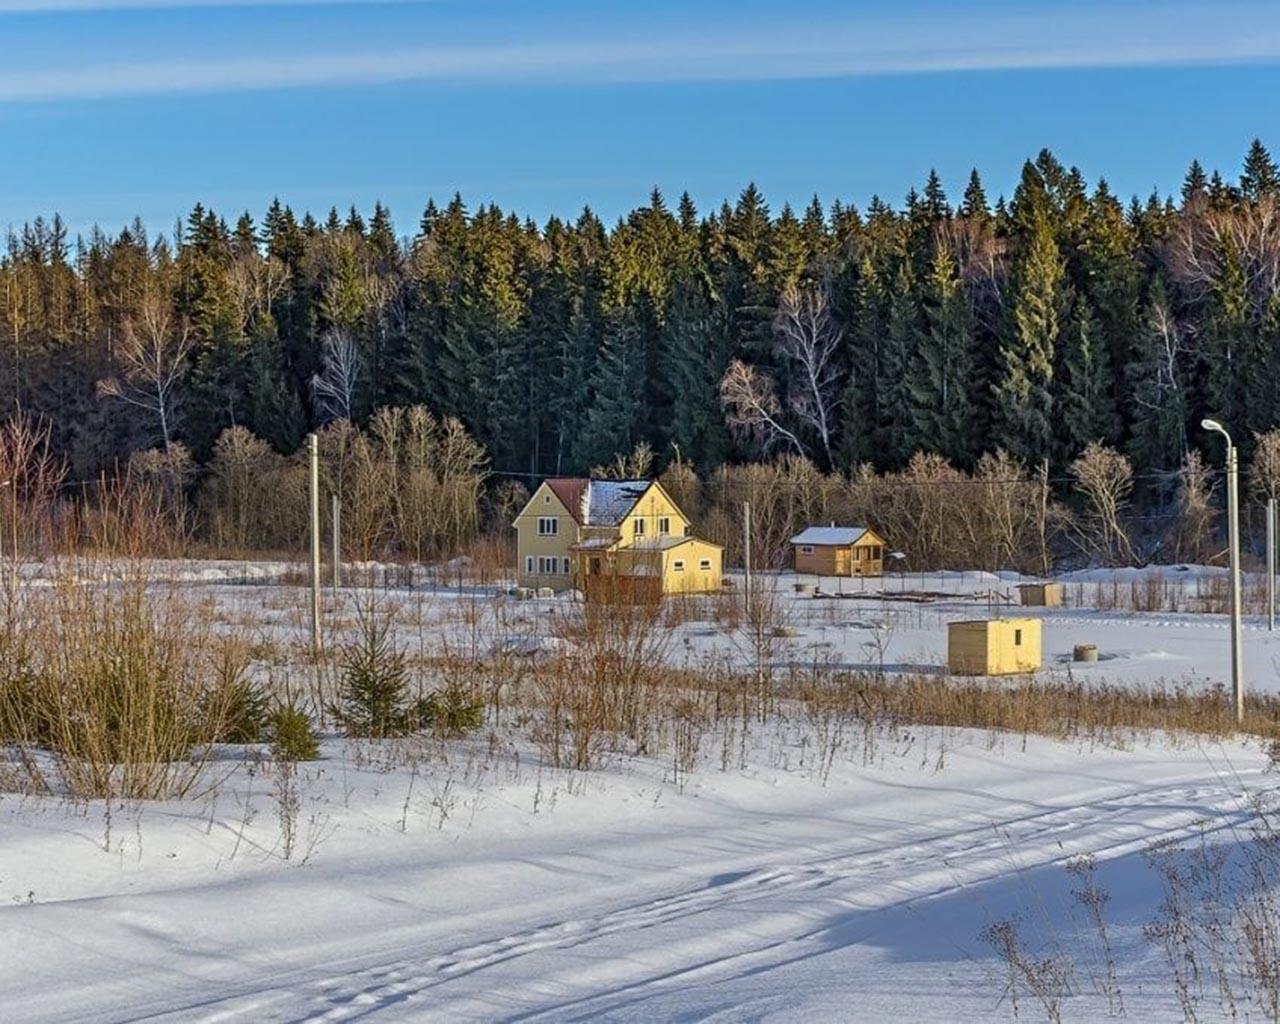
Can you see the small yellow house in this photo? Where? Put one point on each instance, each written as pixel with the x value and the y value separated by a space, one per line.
pixel 838 551
pixel 618 535
pixel 993 647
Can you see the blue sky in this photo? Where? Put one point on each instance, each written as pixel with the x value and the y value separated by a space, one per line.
pixel 111 109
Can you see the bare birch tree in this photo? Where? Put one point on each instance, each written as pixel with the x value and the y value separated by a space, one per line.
pixel 334 387
pixel 808 336
pixel 752 409
pixel 153 358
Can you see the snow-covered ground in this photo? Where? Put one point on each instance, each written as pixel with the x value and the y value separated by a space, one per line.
pixel 463 880
pixel 477 891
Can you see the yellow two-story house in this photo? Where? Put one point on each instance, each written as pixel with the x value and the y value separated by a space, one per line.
pixel 585 533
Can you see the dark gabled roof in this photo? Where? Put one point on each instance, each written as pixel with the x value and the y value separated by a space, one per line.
pixel 570 489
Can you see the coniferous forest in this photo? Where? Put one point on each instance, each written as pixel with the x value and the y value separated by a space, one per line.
pixel 956 324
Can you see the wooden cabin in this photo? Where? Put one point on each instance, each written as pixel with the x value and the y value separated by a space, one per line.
pixel 993 647
pixel 1040 595
pixel 838 551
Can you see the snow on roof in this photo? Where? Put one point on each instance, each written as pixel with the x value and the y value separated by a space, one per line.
pixel 832 535
pixel 658 543
pixel 595 543
pixel 609 501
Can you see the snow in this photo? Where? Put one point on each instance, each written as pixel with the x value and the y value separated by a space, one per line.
pixel 609 501
pixel 755 893
pixel 466 880
pixel 839 535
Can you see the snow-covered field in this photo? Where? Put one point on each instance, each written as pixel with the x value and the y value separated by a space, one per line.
pixel 464 880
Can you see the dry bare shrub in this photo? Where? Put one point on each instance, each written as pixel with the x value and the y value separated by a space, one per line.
pixel 597 692
pixel 122 688
pixel 681 482
pixel 251 500
pixel 1046 977
pixel 1105 478
pixel 135 515
pixel 636 464
pixel 29 502
pixel 785 496
pixel 1264 470
pixel 1193 533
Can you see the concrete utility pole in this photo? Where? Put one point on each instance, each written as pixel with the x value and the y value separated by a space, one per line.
pixel 337 543
pixel 746 543
pixel 313 449
pixel 1271 564
pixel 1233 528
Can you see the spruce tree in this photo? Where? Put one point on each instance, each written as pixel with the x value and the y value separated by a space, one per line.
pixel 1260 177
pixel 616 413
pixel 941 370
pixel 894 435
pixel 1024 391
pixel 694 362
pixel 1085 407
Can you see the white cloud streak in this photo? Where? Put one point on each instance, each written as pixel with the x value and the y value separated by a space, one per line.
pixel 65 6
pixel 1072 39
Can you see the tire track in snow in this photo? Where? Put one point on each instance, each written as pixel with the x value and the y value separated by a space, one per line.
pixel 875 877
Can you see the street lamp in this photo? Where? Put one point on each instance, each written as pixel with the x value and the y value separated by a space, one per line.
pixel 1233 532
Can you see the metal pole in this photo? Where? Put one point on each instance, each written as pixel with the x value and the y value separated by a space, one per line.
pixel 1233 513
pixel 337 543
pixel 313 449
pixel 1271 564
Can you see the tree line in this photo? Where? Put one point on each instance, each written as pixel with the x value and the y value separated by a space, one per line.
pixel 1032 326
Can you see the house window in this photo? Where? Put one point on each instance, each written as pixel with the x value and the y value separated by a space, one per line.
pixel 548 526
pixel 664 525
pixel 528 564
pixel 705 565
pixel 566 567
pixel 678 565
pixel 1017 638
pixel 806 549
pixel 546 499
pixel 638 527
pixel 551 566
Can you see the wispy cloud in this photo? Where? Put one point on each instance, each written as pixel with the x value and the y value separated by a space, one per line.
pixel 1076 38
pixel 63 6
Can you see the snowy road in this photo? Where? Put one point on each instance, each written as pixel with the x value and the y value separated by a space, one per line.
pixel 758 895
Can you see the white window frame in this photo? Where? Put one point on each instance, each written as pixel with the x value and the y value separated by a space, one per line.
pixel 705 564
pixel 806 549
pixel 677 565
pixel 567 570
pixel 637 527
pixel 528 565
pixel 664 524
pixel 548 526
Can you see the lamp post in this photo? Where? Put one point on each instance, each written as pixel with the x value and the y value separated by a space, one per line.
pixel 1233 532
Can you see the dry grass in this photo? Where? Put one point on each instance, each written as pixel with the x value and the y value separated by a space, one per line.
pixel 113 690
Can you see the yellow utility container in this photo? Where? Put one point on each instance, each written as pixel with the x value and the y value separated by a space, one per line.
pixel 1040 595
pixel 993 647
